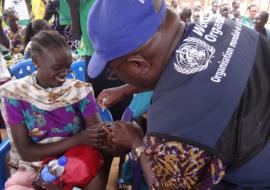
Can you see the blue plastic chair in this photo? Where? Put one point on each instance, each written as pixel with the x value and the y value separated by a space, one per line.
pixel 4 148
pixel 77 68
pixel 22 68
pixel 105 114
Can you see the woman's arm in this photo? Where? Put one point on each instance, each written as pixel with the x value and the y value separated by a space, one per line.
pixel 30 151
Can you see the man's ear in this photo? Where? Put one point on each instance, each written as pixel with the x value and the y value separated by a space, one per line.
pixel 139 63
pixel 35 60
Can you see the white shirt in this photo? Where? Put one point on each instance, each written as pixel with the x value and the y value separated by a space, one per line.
pixel 4 73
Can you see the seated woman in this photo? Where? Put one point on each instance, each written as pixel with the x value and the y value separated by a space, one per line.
pixel 31 30
pixel 46 113
pixel 14 31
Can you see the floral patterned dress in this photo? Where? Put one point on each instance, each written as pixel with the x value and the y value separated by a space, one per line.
pixel 61 123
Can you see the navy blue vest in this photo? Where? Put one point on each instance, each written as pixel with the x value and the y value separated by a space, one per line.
pixel 202 86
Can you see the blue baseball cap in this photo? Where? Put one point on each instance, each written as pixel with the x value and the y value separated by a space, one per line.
pixel 117 27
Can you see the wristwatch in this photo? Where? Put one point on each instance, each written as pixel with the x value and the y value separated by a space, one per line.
pixel 136 153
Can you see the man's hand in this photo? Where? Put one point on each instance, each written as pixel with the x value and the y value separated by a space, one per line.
pixel 127 135
pixel 110 96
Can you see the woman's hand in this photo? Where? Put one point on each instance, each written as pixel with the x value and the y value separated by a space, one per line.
pixel 94 136
pixel 127 135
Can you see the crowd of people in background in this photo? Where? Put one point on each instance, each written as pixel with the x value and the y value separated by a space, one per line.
pixel 253 18
pixel 72 24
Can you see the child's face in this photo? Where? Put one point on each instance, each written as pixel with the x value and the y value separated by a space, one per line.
pixel 13 23
pixel 52 66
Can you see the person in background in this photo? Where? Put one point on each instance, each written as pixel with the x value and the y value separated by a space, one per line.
pixel 174 6
pixel 38 8
pixel 212 15
pixel 185 15
pixel 14 31
pixel 235 6
pixel 197 6
pixel 249 20
pixel 4 41
pixel 22 7
pixel 210 95
pixel 196 16
pixel 52 11
pixel 260 21
pixel 224 10
pixel 31 30
pixel 58 114
pixel 4 77
pixel 237 16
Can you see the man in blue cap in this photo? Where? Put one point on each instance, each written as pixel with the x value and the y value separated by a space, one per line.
pixel 209 119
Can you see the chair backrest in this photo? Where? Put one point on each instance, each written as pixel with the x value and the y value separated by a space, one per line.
pixel 22 68
pixel 4 148
pixel 77 68
pixel 105 114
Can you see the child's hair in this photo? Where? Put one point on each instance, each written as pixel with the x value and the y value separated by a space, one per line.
pixel 8 12
pixel 33 28
pixel 47 39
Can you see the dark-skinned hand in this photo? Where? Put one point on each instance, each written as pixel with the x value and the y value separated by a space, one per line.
pixel 94 136
pixel 127 135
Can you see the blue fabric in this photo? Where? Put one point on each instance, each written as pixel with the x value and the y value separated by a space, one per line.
pixel 118 27
pixel 202 85
pixel 131 172
pixel 259 167
pixel 268 33
pixel 140 103
pixel 4 149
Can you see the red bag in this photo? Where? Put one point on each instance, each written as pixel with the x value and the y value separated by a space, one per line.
pixel 83 164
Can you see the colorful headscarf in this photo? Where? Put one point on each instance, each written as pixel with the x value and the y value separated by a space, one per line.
pixel 48 99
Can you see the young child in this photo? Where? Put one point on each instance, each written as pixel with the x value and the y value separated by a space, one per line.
pixel 47 114
pixel 15 31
